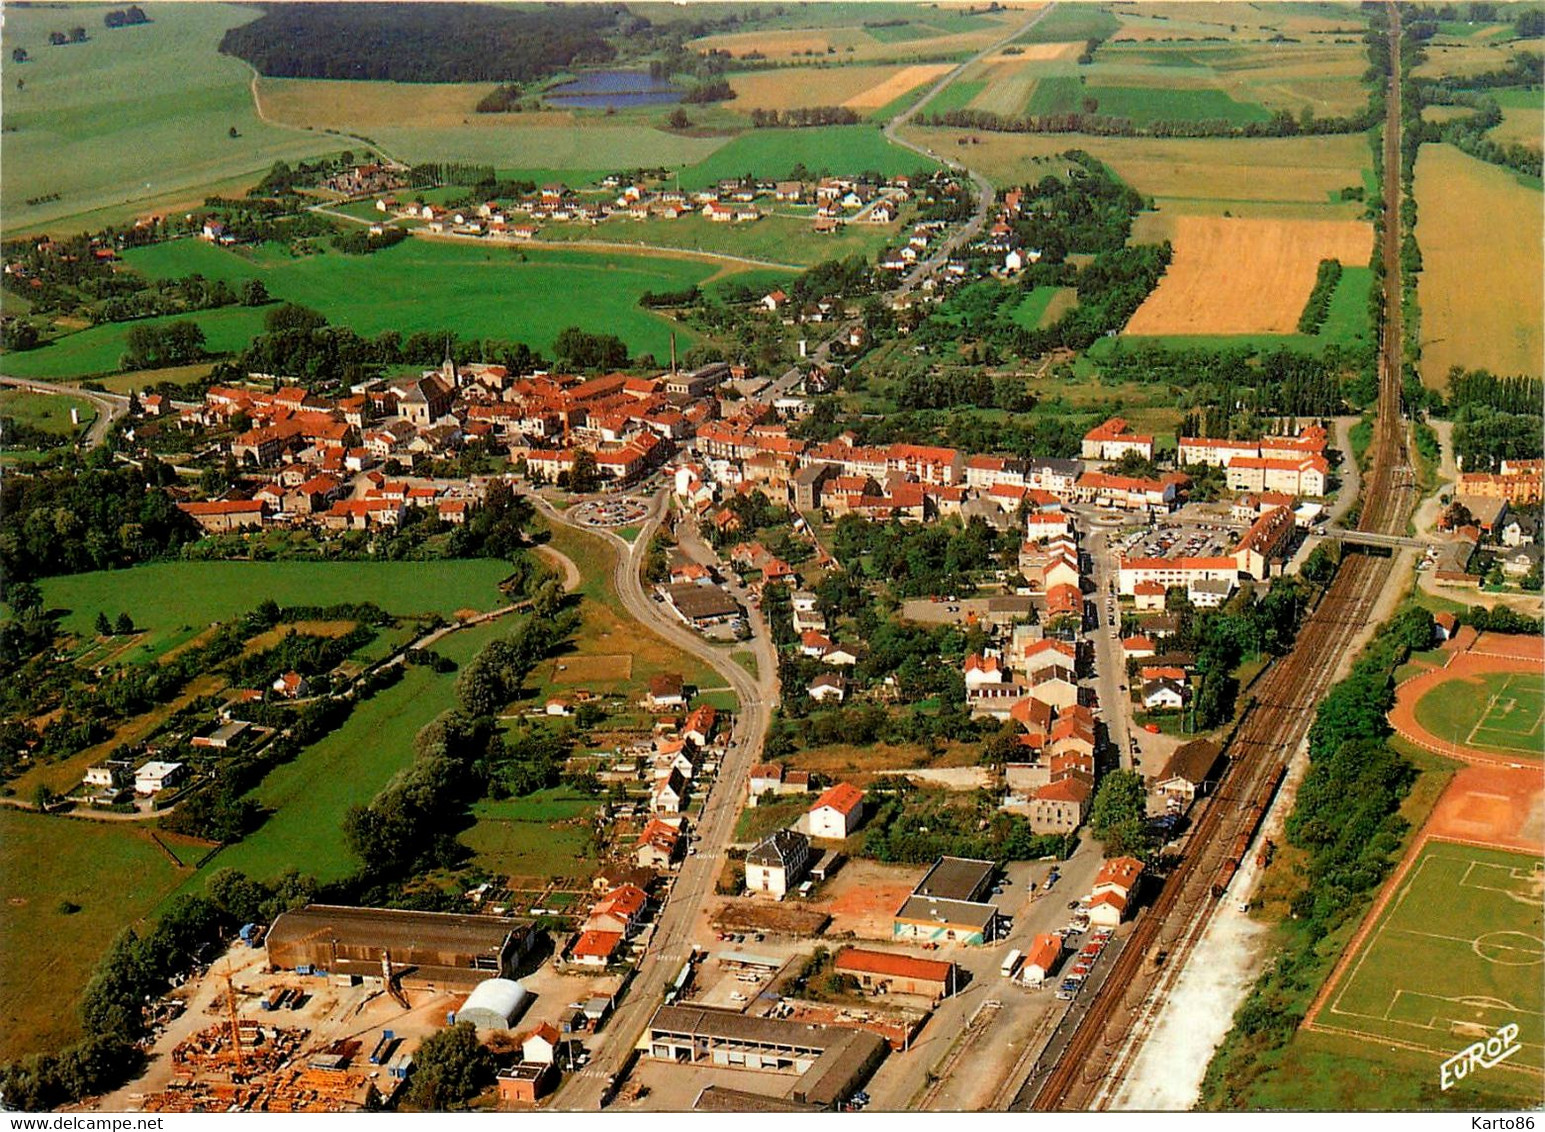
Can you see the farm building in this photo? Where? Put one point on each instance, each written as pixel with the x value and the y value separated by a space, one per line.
pixel 438 948
pixel 902 974
pixel 947 904
pixel 701 606
pixel 832 1062
pixel 494 1004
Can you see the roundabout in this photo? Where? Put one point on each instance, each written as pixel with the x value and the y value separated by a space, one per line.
pixel 609 512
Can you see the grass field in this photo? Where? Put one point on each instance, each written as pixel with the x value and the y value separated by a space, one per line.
pixel 307 798
pixel 171 602
pixel 420 284
pixel 546 834
pixel 1043 306
pixel 776 238
pixel 132 118
pixel 1455 954
pixel 773 153
pixel 114 872
pixel 49 412
pixel 1481 290
pixel 1245 276
pixel 816 31
pixel 756 822
pixel 1070 22
pixel 1504 713
pixel 1142 105
pixel 960 93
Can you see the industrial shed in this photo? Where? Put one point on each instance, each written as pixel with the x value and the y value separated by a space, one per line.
pixel 494 1004
pixel 436 949
pixel 832 1061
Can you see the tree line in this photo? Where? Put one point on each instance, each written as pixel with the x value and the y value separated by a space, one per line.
pixel 799 117
pixel 1495 418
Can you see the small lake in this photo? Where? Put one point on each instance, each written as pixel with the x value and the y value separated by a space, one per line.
pixel 613 90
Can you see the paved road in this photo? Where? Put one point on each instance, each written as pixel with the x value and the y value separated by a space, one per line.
pixel 1109 663
pixel 109 406
pixel 684 908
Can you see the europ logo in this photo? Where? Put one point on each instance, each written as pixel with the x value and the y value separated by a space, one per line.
pixel 1481 1055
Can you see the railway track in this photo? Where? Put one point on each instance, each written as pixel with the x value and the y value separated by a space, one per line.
pixel 1277 719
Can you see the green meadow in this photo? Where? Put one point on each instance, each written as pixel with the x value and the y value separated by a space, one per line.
pixel 45 411
pixel 773 153
pixel 112 872
pixel 1066 95
pixel 171 602
pixel 133 119
pixel 475 290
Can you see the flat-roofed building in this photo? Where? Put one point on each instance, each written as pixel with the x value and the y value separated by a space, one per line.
pixel 947 905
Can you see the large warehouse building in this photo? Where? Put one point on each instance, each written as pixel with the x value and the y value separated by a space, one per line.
pixel 424 948
pixel 833 1062
pixel 947 906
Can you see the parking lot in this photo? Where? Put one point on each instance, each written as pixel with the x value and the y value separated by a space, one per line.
pixel 1179 540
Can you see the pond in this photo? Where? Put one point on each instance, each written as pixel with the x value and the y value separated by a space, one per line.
pixel 613 90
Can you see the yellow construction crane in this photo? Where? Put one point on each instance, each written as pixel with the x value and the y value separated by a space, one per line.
pixel 230 999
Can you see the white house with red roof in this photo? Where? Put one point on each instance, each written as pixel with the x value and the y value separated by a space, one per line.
pixel 837 812
pixel 983 669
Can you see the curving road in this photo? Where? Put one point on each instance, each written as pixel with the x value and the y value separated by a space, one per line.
pixel 109 406
pixel 687 902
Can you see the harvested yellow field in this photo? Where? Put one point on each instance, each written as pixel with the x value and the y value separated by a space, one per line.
pixel 785 88
pixel 1037 53
pixel 1480 290
pixel 1231 275
pixel 365 106
pixel 1471 57
pixel 1520 126
pixel 1203 175
pixel 907 79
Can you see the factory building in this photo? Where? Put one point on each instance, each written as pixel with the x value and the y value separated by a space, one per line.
pixel 436 949
pixel 832 1062
pixel 948 904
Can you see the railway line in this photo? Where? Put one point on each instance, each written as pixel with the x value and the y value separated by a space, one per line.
pixel 1276 720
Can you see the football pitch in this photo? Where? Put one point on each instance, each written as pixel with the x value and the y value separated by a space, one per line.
pixel 1503 711
pixel 1455 955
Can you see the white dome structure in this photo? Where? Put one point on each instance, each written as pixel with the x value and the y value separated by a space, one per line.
pixel 494 1004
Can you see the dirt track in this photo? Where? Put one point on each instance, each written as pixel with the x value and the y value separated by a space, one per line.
pixel 1468 656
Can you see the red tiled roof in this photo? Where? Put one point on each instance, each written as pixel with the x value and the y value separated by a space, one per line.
pixel 890 963
pixel 843 797
pixel 597 944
